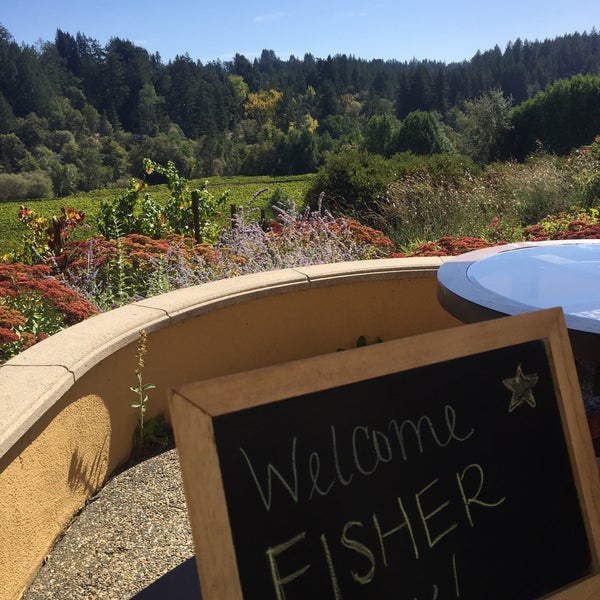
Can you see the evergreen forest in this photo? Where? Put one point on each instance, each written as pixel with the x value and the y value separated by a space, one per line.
pixel 77 116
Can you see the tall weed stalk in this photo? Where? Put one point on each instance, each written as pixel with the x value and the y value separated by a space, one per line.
pixel 140 390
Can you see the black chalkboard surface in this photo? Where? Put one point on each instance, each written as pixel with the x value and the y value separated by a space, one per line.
pixel 447 473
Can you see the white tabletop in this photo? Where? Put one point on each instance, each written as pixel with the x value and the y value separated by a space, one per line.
pixel 517 278
pixel 566 275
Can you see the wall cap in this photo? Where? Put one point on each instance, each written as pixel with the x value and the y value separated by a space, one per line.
pixel 34 380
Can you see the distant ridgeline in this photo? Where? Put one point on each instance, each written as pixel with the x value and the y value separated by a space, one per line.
pixel 111 105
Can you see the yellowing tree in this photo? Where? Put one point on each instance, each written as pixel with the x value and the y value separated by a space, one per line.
pixel 262 106
pixel 304 123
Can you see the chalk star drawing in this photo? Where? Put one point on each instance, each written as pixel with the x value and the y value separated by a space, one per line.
pixel 521 385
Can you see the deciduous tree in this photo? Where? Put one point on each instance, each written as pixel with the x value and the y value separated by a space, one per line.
pixel 482 125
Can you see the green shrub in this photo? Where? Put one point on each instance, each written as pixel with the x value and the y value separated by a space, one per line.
pixel 12 187
pixel 64 178
pixel 356 183
pixel 421 133
pixel 133 212
pixel 38 184
pixel 562 117
pixel 350 182
pixel 24 186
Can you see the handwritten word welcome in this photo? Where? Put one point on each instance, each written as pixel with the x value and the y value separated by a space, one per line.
pixel 367 448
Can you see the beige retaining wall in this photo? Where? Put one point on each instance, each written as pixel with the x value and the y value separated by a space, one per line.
pixel 65 419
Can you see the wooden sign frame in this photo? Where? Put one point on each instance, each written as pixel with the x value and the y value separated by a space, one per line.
pixel 194 406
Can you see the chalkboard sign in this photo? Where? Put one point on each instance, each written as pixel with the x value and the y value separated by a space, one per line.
pixel 451 465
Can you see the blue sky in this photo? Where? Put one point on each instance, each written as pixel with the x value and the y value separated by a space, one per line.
pixel 216 30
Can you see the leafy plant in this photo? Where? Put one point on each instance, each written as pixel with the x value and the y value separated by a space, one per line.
pixel 186 212
pixel 361 342
pixel 133 212
pixel 153 432
pixel 140 390
pixel 12 340
pixel 158 432
pixel 503 229
pixel 45 236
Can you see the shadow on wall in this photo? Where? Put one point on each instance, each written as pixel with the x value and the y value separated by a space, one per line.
pixel 86 476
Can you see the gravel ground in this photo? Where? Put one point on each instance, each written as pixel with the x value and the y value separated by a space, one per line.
pixel 134 530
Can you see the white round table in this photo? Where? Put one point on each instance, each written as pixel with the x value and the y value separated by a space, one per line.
pixel 517 278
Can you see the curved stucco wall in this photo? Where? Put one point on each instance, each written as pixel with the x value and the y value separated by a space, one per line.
pixel 65 419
